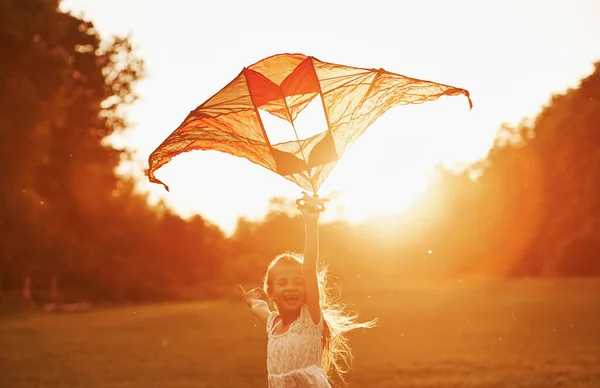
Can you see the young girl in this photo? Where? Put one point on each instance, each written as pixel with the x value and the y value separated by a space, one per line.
pixel 306 332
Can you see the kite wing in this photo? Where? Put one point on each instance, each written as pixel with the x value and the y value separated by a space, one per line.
pixel 283 85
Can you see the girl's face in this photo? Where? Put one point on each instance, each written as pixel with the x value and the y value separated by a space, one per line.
pixel 287 286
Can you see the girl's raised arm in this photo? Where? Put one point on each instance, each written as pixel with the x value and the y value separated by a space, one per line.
pixel 310 211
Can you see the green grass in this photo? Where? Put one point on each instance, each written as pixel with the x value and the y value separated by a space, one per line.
pixel 469 334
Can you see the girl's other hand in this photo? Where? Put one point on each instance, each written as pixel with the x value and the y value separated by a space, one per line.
pixel 251 296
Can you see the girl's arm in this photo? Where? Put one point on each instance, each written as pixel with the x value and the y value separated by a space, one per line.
pixel 311 255
pixel 259 307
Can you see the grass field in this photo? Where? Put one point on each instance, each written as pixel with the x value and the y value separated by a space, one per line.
pixel 466 334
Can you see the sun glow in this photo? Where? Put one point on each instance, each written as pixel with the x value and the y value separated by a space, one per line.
pixel 391 164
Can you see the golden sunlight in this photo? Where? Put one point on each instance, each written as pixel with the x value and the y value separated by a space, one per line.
pixel 391 164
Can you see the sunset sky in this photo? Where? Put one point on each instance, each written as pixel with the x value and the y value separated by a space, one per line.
pixel 510 55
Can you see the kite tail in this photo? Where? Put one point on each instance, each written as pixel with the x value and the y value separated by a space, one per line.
pixel 456 91
pixel 153 179
pixel 468 95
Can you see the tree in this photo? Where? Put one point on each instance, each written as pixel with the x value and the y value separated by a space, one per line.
pixel 537 195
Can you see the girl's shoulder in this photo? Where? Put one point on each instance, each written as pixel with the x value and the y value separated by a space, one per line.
pixel 271 320
pixel 307 321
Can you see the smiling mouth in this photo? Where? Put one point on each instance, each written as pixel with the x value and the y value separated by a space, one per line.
pixel 291 298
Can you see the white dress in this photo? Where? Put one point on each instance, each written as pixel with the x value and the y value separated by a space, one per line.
pixel 294 357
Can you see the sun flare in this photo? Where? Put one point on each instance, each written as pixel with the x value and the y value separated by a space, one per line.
pixel 391 164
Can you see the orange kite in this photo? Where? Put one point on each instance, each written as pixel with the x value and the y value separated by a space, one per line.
pixel 283 85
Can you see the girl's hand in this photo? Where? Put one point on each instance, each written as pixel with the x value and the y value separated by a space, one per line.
pixel 310 206
pixel 254 300
pixel 251 296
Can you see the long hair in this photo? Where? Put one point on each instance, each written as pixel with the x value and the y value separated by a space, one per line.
pixel 337 353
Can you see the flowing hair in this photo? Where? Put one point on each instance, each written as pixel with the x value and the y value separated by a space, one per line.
pixel 337 353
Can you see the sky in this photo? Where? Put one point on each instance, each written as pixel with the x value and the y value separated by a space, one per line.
pixel 510 55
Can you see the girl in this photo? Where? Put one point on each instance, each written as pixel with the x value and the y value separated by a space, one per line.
pixel 306 332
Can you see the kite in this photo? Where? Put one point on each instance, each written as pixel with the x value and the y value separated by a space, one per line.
pixel 282 85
